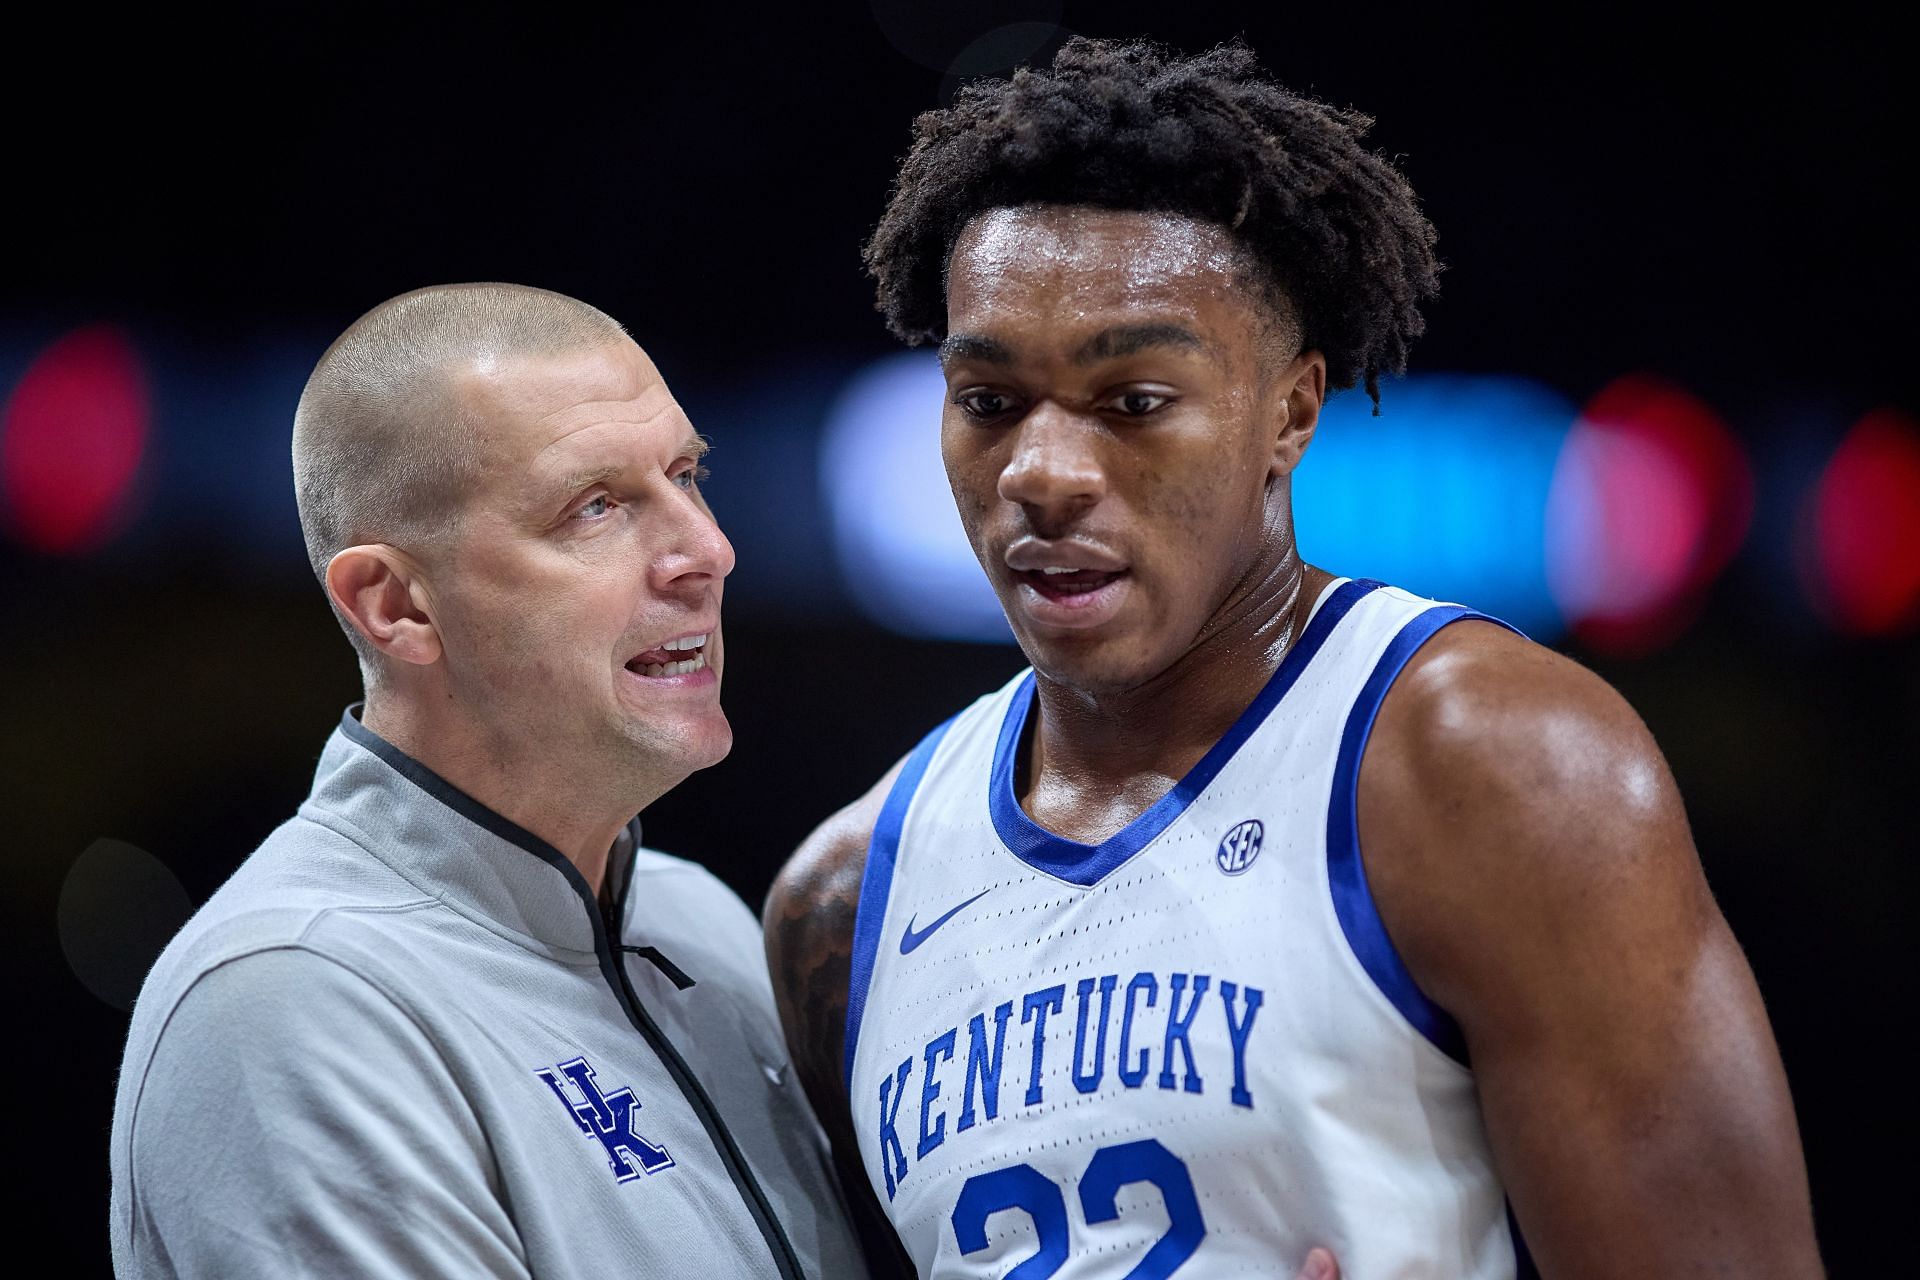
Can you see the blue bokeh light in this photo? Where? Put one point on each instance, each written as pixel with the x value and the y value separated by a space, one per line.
pixel 1445 493
pixel 904 559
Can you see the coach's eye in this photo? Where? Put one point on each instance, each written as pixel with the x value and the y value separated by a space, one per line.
pixel 692 476
pixel 594 509
pixel 984 404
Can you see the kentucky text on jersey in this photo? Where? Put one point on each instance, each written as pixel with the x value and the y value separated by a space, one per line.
pixel 1147 1019
pixel 1020 1099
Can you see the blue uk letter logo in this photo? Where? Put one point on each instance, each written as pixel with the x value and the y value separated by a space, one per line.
pixel 606 1118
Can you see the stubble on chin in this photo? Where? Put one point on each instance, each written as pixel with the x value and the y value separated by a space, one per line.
pixel 659 754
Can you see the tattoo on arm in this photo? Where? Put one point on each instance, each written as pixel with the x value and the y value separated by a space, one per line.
pixel 809 934
pixel 811 949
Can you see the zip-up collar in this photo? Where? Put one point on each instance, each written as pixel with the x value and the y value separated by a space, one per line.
pixel 478 864
pixel 480 868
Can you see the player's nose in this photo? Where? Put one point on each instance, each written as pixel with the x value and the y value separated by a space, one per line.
pixel 1054 469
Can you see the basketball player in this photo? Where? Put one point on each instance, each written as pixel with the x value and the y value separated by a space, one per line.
pixel 451 1019
pixel 1271 908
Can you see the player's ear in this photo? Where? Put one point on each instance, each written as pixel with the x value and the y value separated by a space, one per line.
pixel 1298 393
pixel 382 593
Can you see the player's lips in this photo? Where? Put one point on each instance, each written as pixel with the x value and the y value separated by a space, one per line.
pixel 682 659
pixel 1038 555
pixel 1067 583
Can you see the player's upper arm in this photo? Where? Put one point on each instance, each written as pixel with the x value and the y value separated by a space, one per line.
pixel 808 925
pixel 293 1120
pixel 1527 849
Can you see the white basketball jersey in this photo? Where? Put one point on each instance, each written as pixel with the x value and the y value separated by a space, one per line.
pixel 1190 1049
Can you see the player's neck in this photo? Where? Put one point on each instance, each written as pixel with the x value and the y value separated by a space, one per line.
pixel 1132 743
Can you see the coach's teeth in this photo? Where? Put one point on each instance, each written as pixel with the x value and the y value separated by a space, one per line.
pixel 691 642
pixel 697 662
pixel 1053 568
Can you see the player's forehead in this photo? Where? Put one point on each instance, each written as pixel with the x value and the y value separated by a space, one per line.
pixel 1057 269
pixel 1037 279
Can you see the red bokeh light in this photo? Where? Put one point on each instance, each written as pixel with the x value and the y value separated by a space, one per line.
pixel 1658 496
pixel 1864 529
pixel 71 440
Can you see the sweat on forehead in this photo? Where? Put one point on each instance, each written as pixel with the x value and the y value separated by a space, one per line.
pixel 1109 256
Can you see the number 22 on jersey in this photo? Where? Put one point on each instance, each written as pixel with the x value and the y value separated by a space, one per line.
pixel 1023 1187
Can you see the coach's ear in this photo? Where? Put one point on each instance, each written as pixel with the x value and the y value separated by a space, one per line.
pixel 1298 393
pixel 380 590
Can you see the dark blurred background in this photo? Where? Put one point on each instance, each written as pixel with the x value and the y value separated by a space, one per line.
pixel 1665 417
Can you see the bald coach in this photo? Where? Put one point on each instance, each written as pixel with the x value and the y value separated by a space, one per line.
pixel 451 1019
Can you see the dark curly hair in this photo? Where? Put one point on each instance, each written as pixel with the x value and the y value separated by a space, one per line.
pixel 1330 225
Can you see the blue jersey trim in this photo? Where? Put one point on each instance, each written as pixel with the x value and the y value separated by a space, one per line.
pixel 1352 900
pixel 1085 864
pixel 876 882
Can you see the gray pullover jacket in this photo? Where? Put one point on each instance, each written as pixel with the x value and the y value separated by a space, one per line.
pixel 403 1040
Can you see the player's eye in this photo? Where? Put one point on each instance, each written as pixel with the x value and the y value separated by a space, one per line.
pixel 983 405
pixel 1138 404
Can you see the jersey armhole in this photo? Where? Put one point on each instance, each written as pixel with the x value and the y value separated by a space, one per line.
pixel 876 883
pixel 1353 905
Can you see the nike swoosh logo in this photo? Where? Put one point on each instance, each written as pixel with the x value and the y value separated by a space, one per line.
pixel 909 940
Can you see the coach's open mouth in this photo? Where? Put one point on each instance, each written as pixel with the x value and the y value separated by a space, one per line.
pixel 674 658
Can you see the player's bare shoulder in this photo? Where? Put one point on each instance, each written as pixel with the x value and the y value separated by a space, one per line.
pixel 1509 793
pixel 1485 722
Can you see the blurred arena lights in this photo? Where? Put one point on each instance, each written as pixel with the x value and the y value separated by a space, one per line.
pixel 71 439
pixel 1860 545
pixel 904 558
pixel 1651 498
pixel 1445 493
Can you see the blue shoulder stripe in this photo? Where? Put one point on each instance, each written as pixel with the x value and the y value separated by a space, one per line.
pixel 876 882
pixel 1352 901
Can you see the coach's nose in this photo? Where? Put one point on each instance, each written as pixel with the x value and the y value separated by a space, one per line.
pixel 1054 470
pixel 696 551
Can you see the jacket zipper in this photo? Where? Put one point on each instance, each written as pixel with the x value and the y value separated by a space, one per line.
pixel 784 1258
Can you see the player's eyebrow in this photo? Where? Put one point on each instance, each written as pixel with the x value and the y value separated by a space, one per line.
pixel 1109 344
pixel 1131 339
pixel 971 346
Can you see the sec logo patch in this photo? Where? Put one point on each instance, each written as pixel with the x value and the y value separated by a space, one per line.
pixel 1240 846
